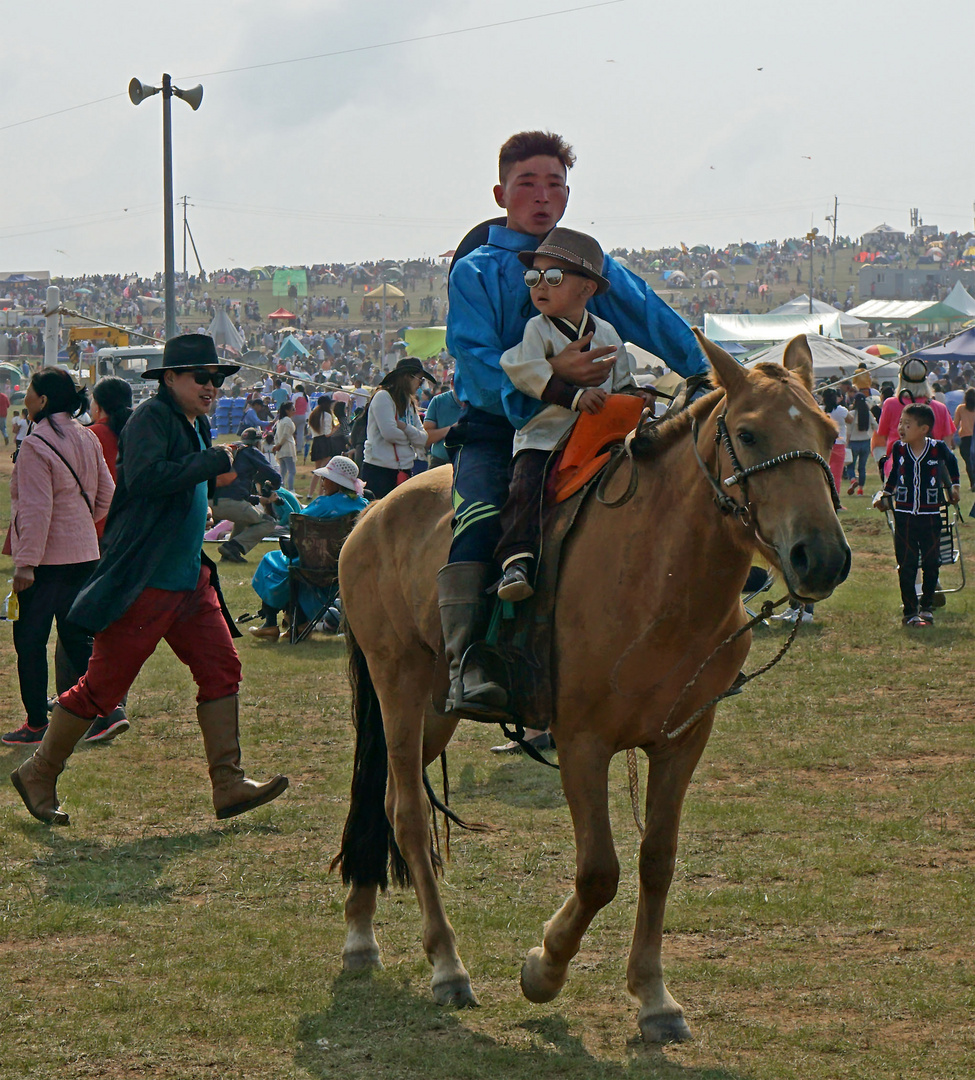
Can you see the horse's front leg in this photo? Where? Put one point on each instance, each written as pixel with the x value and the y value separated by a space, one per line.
pixel 585 768
pixel 408 809
pixel 661 1018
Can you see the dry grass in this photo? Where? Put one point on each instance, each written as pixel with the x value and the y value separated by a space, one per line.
pixel 819 926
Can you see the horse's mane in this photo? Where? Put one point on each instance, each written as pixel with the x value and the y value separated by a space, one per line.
pixel 654 440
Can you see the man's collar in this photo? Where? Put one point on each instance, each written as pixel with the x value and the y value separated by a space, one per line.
pixel 499 236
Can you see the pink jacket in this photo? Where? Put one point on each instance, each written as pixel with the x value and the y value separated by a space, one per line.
pixel 51 524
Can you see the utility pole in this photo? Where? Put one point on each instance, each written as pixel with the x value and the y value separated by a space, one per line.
pixel 811 237
pixel 185 197
pixel 832 218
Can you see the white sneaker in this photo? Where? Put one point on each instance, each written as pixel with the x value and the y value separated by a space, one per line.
pixel 789 615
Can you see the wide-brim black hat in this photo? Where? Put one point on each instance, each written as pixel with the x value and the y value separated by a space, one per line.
pixel 187 352
pixel 411 366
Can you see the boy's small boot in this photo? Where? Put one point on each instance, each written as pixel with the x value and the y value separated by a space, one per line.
pixel 36 779
pixel 233 793
pixel 464 615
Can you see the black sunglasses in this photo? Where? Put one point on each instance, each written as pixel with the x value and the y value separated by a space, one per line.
pixel 553 276
pixel 201 378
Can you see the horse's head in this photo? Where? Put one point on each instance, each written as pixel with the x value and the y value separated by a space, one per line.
pixel 769 413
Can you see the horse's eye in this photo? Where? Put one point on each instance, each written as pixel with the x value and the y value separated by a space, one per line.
pixel 746 438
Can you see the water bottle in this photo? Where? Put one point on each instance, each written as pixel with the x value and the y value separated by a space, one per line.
pixel 12 607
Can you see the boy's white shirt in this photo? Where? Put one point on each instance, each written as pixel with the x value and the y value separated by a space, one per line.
pixel 527 366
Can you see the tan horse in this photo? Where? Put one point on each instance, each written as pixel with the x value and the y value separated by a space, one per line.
pixel 667 568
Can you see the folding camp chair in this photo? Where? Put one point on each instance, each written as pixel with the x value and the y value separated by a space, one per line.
pixel 949 551
pixel 759 581
pixel 316 542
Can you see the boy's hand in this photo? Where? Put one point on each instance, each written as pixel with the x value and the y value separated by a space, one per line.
pixel 591 400
pixel 579 368
pixel 954 496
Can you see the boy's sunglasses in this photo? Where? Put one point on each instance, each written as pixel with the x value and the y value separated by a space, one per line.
pixel 201 378
pixel 553 276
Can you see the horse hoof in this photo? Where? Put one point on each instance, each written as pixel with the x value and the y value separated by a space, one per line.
pixel 664 1028
pixel 534 985
pixel 456 993
pixel 363 960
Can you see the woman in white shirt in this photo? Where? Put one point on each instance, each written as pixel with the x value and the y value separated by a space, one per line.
pixel 394 433
pixel 285 449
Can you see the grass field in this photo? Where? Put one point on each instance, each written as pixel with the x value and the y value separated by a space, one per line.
pixel 820 924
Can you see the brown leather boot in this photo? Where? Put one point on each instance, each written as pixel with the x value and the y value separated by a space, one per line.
pixel 233 793
pixel 464 617
pixel 36 779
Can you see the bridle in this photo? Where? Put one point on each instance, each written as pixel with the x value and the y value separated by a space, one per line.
pixel 739 476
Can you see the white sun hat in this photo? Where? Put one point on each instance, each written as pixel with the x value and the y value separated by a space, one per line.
pixel 344 472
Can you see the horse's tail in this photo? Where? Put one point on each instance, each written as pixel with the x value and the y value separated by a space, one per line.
pixel 369 851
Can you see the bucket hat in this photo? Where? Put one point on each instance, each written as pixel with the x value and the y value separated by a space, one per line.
pixel 573 249
pixel 344 472
pixel 411 365
pixel 250 436
pixel 186 352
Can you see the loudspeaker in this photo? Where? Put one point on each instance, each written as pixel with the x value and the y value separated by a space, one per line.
pixel 191 97
pixel 138 91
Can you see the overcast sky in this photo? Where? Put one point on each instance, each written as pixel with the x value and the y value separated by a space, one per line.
pixel 702 122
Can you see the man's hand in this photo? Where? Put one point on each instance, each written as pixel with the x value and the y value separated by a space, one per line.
pixel 579 368
pixel 592 400
pixel 23 578
pixel 955 494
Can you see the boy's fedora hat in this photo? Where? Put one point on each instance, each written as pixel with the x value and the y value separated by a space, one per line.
pixel 575 250
pixel 187 352
pixel 412 366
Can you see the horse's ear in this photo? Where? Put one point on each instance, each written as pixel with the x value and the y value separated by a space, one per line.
pixel 727 371
pixel 798 359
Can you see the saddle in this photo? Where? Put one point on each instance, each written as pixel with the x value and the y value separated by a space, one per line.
pixel 517 650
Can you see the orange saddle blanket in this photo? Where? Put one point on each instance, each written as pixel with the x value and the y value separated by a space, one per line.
pixel 587 450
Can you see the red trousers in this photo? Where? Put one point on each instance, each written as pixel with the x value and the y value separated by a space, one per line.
pixel 193 625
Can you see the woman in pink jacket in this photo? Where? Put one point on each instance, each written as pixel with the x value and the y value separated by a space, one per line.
pixel 60 487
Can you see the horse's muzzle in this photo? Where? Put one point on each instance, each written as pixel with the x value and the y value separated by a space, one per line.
pixel 814 565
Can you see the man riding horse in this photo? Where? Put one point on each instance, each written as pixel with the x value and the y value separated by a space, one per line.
pixel 489 309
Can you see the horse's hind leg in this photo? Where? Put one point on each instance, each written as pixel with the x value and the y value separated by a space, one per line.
pixel 584 780
pixel 403 696
pixel 361 951
pixel 661 1018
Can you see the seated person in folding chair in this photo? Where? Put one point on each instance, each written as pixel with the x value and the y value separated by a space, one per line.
pixel 342 494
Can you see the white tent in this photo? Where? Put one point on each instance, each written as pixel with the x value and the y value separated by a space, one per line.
pixel 961 300
pixel 852 327
pixel 831 359
pixel 759 328
pixel 223 331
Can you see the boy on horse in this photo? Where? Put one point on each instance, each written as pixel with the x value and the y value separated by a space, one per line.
pixel 488 312
pixel 563 274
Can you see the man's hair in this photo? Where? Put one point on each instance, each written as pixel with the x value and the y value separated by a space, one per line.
pixel 529 144
pixel 922 413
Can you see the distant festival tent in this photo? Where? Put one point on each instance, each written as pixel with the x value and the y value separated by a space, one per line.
pixel 852 327
pixel 283 280
pixel 223 331
pixel 759 328
pixel 291 346
pixel 282 313
pixel 961 347
pixel 425 342
pixel 961 300
pixel 260 273
pixel 831 359
pixel 388 292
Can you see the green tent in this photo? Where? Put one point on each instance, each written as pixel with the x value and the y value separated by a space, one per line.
pixel 283 280
pixel 425 341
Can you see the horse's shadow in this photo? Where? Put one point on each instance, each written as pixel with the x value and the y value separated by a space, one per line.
pixel 379 1023
pixel 519 782
pixel 90 874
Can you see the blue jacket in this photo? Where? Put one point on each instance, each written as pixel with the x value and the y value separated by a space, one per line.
pixel 490 307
